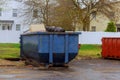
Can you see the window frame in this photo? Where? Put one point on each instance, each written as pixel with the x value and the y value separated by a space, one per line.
pixel 93 28
pixel 6 27
pixel 18 27
pixel 15 12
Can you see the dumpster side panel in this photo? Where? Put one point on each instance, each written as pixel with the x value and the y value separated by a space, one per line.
pixel 44 42
pixel 73 44
pixel 114 48
pixel 50 48
pixel 118 47
pixel 43 48
pixel 104 47
pixel 59 43
pixel 111 48
pixel 65 47
pixel 59 48
pixel 30 47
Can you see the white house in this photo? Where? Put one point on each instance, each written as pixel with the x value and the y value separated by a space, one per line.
pixel 11 21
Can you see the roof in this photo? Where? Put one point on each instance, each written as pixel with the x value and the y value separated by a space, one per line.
pixel 7 21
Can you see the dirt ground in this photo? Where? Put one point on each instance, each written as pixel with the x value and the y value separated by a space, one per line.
pixel 93 69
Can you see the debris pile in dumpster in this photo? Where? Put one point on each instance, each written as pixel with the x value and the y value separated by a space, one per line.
pixel 43 28
pixel 54 29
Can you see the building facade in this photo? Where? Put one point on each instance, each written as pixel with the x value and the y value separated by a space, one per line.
pixel 10 16
pixel 100 22
pixel 11 21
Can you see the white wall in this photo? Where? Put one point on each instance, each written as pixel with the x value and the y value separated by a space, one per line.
pixel 9 36
pixel 95 37
pixel 84 38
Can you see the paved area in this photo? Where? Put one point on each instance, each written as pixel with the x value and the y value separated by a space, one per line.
pixel 96 69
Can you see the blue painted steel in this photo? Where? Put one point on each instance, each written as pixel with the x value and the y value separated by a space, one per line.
pixel 51 51
pixel 43 48
pixel 49 48
pixel 58 42
pixel 73 39
pixel 66 49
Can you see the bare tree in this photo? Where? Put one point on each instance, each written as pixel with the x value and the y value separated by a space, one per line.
pixel 37 11
pixel 64 15
pixel 115 15
pixel 50 12
pixel 67 13
pixel 88 9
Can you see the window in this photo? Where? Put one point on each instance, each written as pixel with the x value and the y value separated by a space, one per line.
pixel 35 13
pixel 93 28
pixel 15 12
pixel 6 27
pixel 118 29
pixel 18 27
pixel 3 27
pixel 0 12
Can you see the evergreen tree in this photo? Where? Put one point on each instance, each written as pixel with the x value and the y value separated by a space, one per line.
pixel 111 27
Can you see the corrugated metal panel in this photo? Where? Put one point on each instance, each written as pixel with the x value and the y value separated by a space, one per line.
pixel 49 48
pixel 111 48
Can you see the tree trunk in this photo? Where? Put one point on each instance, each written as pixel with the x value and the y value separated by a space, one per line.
pixel 86 24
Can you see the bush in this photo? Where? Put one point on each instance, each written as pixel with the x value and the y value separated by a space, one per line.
pixel 111 27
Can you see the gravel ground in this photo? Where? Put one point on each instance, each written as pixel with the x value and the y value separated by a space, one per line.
pixel 93 69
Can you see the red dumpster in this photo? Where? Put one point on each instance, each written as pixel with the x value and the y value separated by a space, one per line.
pixel 111 47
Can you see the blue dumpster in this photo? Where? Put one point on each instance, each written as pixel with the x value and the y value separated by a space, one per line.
pixel 49 48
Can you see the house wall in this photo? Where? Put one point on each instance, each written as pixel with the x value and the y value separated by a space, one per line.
pixel 95 37
pixel 12 36
pixel 79 27
pixel 7 13
pixel 100 22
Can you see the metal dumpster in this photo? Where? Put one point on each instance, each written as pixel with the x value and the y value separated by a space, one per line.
pixel 111 47
pixel 49 48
